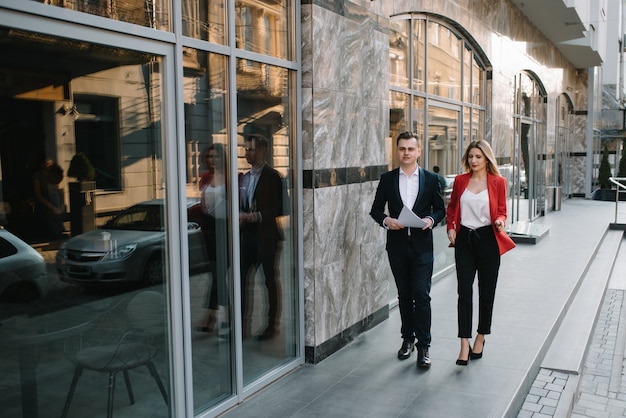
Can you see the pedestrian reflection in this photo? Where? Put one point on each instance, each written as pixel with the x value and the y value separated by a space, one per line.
pixel 260 206
pixel 214 215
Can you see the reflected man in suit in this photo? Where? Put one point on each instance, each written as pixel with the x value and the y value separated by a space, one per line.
pixel 410 250
pixel 261 203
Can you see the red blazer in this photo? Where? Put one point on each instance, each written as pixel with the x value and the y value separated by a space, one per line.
pixel 496 187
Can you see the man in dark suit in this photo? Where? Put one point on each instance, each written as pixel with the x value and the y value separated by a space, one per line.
pixel 261 203
pixel 410 250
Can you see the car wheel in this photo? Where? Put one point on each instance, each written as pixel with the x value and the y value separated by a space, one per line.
pixel 153 270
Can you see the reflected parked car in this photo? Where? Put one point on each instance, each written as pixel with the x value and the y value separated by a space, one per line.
pixel 447 193
pixel 23 273
pixel 128 249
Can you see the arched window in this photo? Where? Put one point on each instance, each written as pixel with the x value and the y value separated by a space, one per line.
pixel 438 79
pixel 528 159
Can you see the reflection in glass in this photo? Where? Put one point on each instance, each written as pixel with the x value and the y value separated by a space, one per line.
pixel 444 62
pixel 152 14
pixel 263 27
pixel 399 111
pixel 443 139
pixel 205 19
pixel 478 83
pixel 529 149
pixel 102 307
pixel 398 53
pixel 418 122
pixel 268 277
pixel 467 76
pixel 419 54
pixel 210 288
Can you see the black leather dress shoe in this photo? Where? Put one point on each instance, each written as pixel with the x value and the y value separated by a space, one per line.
pixel 405 351
pixel 423 358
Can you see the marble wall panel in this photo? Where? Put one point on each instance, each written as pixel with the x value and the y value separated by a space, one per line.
pixel 329 314
pixel 309 307
pixel 307 129
pixel 331 216
pixel 306 57
pixel 578 176
pixel 349 277
pixel 308 227
pixel 325 49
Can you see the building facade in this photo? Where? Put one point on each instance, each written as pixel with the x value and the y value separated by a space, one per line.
pixel 236 149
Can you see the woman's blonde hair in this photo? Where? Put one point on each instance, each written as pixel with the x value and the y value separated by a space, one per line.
pixel 485 148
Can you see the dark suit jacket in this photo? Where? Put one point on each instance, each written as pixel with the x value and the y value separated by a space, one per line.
pixel 429 202
pixel 268 201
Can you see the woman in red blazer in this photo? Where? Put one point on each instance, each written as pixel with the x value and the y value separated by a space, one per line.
pixel 476 218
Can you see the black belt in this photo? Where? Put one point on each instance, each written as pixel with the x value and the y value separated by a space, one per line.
pixel 482 228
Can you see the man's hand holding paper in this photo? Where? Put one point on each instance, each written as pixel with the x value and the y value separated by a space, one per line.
pixel 409 219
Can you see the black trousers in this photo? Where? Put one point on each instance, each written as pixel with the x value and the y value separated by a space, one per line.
pixel 476 251
pixel 413 280
pixel 252 256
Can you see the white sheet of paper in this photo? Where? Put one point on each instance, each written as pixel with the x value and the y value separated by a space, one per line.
pixel 410 219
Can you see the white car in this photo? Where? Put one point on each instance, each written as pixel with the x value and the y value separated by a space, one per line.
pixel 23 272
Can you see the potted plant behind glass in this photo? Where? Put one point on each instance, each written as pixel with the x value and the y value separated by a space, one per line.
pixel 82 197
pixel 604 174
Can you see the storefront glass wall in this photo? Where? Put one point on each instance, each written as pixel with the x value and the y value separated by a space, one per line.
pixel 111 287
pixel 526 168
pixel 99 315
pixel 152 14
pixel 266 223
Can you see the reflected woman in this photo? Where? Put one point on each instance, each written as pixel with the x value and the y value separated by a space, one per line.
pixel 214 214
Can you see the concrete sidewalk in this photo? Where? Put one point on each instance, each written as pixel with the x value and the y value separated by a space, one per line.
pixel 536 286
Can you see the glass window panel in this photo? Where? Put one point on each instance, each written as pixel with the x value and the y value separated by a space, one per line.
pixel 417 119
pixel 467 75
pixel 398 53
pixel 478 84
pixel 264 27
pixel 442 149
pixel 210 283
pixel 528 98
pixel 443 128
pixel 205 19
pixel 269 283
pixel 444 62
pixel 419 54
pixel 104 305
pixel 150 13
pixel 399 113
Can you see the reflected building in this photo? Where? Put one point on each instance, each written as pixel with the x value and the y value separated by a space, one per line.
pixel 145 89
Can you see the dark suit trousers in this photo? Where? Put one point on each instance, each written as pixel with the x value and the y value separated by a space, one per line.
pixel 253 256
pixel 476 251
pixel 413 280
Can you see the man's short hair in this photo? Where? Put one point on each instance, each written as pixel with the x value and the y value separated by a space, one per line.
pixel 407 135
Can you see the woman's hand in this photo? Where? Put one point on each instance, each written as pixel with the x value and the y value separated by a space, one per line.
pixel 451 236
pixel 499 224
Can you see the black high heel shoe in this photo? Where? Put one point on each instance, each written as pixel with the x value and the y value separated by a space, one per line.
pixel 476 356
pixel 461 362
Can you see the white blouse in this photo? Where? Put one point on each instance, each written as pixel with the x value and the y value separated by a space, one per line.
pixel 213 201
pixel 475 209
